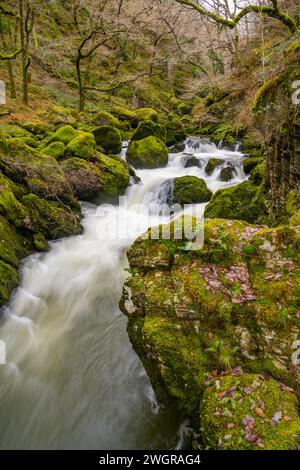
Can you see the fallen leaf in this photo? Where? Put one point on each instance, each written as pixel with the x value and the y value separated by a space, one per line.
pixel 287 418
pixel 276 418
pixel 259 412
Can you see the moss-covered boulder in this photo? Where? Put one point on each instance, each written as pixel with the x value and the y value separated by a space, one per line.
pixel 227 173
pixel 8 281
pixel 82 146
pixel 148 128
pixel 193 161
pixel 55 150
pixel 175 131
pixel 190 190
pixel 103 118
pixel 105 176
pixel 14 130
pixel 109 138
pixel 56 115
pixel 145 114
pixel 36 127
pixel 248 412
pixel 150 152
pixel 13 247
pixel 52 219
pixel 84 178
pixel 10 206
pixel 116 175
pixel 64 134
pixel 245 201
pixel 40 173
pixel 224 303
pixel 212 164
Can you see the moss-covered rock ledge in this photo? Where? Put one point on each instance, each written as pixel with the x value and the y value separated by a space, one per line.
pixel 215 328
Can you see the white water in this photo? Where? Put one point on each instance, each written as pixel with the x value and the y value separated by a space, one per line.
pixel 72 379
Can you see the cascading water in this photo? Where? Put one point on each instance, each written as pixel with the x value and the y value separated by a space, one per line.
pixel 72 379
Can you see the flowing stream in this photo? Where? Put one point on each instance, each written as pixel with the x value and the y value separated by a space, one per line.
pixel 72 379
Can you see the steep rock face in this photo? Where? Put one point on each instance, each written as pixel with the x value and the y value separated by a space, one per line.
pixel 233 303
pixel 277 116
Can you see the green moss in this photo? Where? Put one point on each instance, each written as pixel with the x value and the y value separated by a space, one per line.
pixel 40 173
pixel 250 163
pixel 147 153
pixel 295 219
pixel 82 146
pixel 148 128
pixel 230 402
pixel 263 90
pixel 55 150
pixel 190 190
pixel 257 174
pixel 40 243
pixel 13 130
pixel 116 177
pixel 12 245
pixel 125 114
pixel 227 173
pixel 182 362
pixel 175 131
pixel 212 164
pixel 10 207
pixel 104 118
pixel 145 114
pixel 36 127
pixel 8 280
pixel 108 138
pixel 243 202
pixel 30 141
pixel 52 219
pixel 64 134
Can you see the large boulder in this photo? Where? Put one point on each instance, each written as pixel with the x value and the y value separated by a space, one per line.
pixel 199 313
pixel 108 138
pixel 145 114
pixel 150 152
pixel 64 134
pixel 105 176
pixel 245 201
pixel 103 118
pixel 55 150
pixel 82 146
pixel 212 164
pixel 190 190
pixel 147 128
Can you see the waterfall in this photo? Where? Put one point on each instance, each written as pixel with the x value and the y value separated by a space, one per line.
pixel 72 379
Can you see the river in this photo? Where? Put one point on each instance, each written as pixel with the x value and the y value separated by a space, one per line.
pixel 72 379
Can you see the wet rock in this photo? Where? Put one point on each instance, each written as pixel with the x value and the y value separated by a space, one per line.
pixel 150 152
pixel 190 190
pixel 108 138
pixel 212 164
pixel 229 303
pixel 227 173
